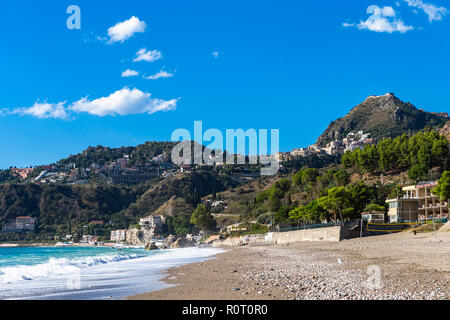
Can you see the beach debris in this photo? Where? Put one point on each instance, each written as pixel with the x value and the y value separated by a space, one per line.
pixel 339 261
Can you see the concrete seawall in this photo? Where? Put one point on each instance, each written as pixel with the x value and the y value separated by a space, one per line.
pixel 334 234
pixel 319 234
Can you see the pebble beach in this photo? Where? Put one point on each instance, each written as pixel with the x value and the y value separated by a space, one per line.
pixel 400 266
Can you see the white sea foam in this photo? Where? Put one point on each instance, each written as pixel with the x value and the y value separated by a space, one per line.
pixel 101 277
pixel 57 267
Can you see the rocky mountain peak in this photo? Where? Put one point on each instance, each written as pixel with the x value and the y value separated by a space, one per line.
pixel 382 116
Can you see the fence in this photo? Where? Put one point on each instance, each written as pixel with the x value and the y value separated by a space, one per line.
pixel 309 226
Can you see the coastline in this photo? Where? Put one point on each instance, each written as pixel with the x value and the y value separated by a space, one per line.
pixel 318 270
pixel 51 245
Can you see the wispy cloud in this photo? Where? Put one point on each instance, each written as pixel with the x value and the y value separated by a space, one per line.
pixel 215 54
pixel 147 55
pixel 160 74
pixel 129 73
pixel 433 12
pixel 123 102
pixel 381 20
pixel 42 111
pixel 124 30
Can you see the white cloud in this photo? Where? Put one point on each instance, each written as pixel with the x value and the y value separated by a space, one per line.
pixel 381 20
pixel 348 24
pixel 123 102
pixel 44 111
pixel 215 54
pixel 126 29
pixel 147 55
pixel 160 74
pixel 129 73
pixel 433 12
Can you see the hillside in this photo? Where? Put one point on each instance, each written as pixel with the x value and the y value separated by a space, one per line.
pixel 381 116
pixel 101 155
pixel 445 131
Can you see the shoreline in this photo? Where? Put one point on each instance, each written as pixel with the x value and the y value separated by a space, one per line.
pixel 408 270
pixel 51 245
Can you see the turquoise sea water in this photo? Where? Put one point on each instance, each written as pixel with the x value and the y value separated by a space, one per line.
pixel 87 272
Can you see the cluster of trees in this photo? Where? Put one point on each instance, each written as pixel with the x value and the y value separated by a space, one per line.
pixel 328 195
pixel 443 188
pixel 7 177
pixel 203 219
pixel 421 152
pixel 320 160
pixel 343 203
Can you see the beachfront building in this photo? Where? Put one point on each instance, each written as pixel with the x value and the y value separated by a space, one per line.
pixel 430 205
pixel 118 235
pixel 152 222
pixel 417 203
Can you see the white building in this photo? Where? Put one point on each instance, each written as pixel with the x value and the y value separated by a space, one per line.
pixel 118 235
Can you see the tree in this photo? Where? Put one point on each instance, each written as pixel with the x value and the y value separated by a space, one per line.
pixel 282 214
pixel 337 199
pixel 203 218
pixel 275 197
pixel 375 207
pixel 418 172
pixel 312 212
pixel 341 178
pixel 283 184
pixel 443 187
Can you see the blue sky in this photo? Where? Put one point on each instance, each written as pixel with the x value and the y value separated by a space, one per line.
pixel 288 65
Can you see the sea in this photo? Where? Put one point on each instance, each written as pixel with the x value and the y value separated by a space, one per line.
pixel 88 273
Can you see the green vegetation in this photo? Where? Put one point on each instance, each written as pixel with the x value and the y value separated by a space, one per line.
pixel 443 187
pixel 179 224
pixel 203 219
pixel 100 155
pixel 419 153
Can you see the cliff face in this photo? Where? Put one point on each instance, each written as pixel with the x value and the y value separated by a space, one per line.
pixel 446 131
pixel 139 237
pixel 383 116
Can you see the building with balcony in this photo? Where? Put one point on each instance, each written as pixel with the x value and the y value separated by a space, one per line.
pixel 152 222
pixel 417 203
pixel 118 235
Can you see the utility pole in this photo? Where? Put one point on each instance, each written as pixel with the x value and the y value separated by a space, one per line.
pixel 360 233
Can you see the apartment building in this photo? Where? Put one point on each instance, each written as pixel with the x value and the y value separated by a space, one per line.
pixel 418 203
pixel 118 235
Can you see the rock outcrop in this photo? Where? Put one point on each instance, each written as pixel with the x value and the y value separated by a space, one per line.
pixel 151 246
pixel 139 237
pixel 446 131
pixel 182 243
pixel 382 116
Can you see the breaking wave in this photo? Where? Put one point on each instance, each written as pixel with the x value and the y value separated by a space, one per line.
pixel 58 266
